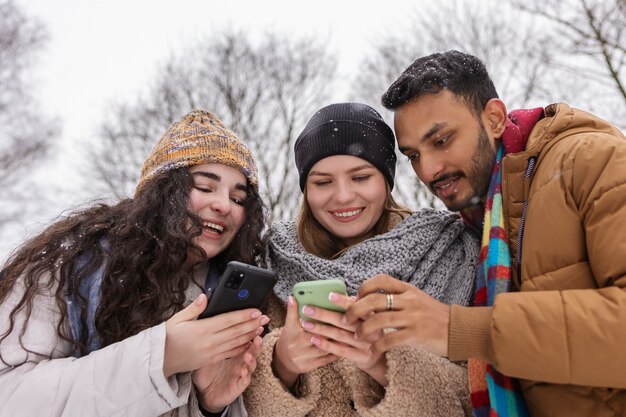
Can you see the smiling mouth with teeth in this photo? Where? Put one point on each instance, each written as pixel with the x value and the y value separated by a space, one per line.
pixel 213 227
pixel 444 186
pixel 348 213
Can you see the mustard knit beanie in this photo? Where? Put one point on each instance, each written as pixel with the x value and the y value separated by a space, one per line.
pixel 198 138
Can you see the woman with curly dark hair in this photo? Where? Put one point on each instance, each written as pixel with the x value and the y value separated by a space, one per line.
pixel 98 313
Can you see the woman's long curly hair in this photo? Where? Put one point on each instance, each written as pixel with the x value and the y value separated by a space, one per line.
pixel 142 242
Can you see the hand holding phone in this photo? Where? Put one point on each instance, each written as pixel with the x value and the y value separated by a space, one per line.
pixel 315 293
pixel 330 334
pixel 241 286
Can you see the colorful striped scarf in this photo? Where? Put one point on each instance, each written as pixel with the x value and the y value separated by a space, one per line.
pixel 494 394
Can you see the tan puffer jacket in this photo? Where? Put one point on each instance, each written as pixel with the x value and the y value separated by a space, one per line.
pixel 564 331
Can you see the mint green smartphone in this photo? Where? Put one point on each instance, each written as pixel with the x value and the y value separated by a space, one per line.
pixel 315 293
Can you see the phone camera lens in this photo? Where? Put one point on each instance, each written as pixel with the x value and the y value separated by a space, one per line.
pixel 301 292
pixel 235 280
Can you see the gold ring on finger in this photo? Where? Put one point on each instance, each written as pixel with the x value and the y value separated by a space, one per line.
pixel 389 301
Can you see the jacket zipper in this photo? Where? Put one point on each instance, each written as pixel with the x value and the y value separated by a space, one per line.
pixel 520 236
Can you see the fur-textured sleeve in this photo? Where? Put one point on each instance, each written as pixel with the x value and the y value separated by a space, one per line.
pixel 420 384
pixel 267 395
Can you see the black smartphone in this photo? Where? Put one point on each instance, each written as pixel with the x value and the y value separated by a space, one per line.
pixel 241 286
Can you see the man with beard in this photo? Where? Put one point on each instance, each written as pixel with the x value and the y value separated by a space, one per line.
pixel 546 188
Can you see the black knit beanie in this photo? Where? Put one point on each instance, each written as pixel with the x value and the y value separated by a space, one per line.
pixel 346 129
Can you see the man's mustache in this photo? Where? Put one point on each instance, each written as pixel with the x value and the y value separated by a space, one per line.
pixel 444 177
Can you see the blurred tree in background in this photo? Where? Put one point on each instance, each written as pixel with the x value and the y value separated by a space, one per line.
pixel 587 43
pixel 491 30
pixel 265 91
pixel 266 87
pixel 537 52
pixel 25 133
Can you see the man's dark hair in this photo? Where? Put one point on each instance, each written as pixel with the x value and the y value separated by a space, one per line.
pixel 464 75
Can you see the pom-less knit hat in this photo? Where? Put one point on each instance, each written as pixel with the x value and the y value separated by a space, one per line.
pixel 346 129
pixel 198 138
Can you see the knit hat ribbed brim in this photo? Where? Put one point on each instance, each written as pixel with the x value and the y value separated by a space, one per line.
pixel 346 129
pixel 198 138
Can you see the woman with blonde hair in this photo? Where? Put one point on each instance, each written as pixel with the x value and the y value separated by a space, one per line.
pixel 350 227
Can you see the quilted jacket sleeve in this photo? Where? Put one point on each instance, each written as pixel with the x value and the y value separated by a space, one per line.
pixel 574 334
pixel 585 327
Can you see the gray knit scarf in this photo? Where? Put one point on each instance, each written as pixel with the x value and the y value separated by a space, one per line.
pixel 431 249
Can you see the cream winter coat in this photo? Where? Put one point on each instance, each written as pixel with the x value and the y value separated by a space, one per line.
pixel 123 379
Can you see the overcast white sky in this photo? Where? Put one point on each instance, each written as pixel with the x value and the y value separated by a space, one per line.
pixel 100 50
pixel 103 50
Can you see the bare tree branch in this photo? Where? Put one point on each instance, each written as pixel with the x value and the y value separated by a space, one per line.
pixel 264 91
pixel 508 46
pixel 592 45
pixel 25 133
